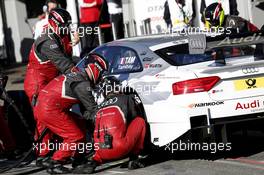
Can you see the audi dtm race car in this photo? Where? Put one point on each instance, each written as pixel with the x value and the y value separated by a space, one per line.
pixel 192 82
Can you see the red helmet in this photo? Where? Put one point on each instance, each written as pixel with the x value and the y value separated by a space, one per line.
pixel 59 21
pixel 96 65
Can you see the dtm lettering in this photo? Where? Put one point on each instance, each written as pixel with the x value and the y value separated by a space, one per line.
pixel 198 105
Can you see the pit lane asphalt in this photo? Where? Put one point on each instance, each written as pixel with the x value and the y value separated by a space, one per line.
pixel 246 157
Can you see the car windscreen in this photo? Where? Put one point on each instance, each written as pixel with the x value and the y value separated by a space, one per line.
pixel 179 55
pixel 121 59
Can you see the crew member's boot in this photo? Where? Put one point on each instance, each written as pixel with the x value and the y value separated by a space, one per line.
pixel 135 162
pixel 56 167
pixel 43 162
pixel 87 168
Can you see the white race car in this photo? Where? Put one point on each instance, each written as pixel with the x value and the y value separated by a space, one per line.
pixel 190 82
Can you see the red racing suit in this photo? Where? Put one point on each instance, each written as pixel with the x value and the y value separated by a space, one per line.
pixel 118 116
pixel 49 56
pixel 89 11
pixel 52 110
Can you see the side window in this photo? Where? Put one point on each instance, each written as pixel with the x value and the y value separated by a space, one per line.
pixel 121 59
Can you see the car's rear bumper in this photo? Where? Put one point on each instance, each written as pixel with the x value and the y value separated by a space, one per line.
pixel 203 122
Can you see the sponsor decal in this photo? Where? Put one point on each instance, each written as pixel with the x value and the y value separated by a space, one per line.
pixel 147 59
pixel 126 66
pixel 251 83
pixel 217 91
pixel 163 76
pixel 143 53
pixel 228 41
pixel 156 139
pixel 150 66
pixel 250 105
pixel 128 60
pixel 55 20
pixel 108 102
pixel 54 46
pixel 198 105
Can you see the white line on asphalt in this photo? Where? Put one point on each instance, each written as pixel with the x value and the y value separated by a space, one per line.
pixel 116 172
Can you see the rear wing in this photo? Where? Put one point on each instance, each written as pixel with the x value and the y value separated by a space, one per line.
pixel 199 44
pixel 235 40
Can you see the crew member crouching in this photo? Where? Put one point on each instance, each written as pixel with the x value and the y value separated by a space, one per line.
pixel 56 99
pixel 119 128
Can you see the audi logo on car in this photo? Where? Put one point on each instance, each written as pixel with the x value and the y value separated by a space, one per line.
pixel 196 44
pixel 250 70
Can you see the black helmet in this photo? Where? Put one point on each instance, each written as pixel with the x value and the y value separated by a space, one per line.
pixel 214 15
pixel 59 21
